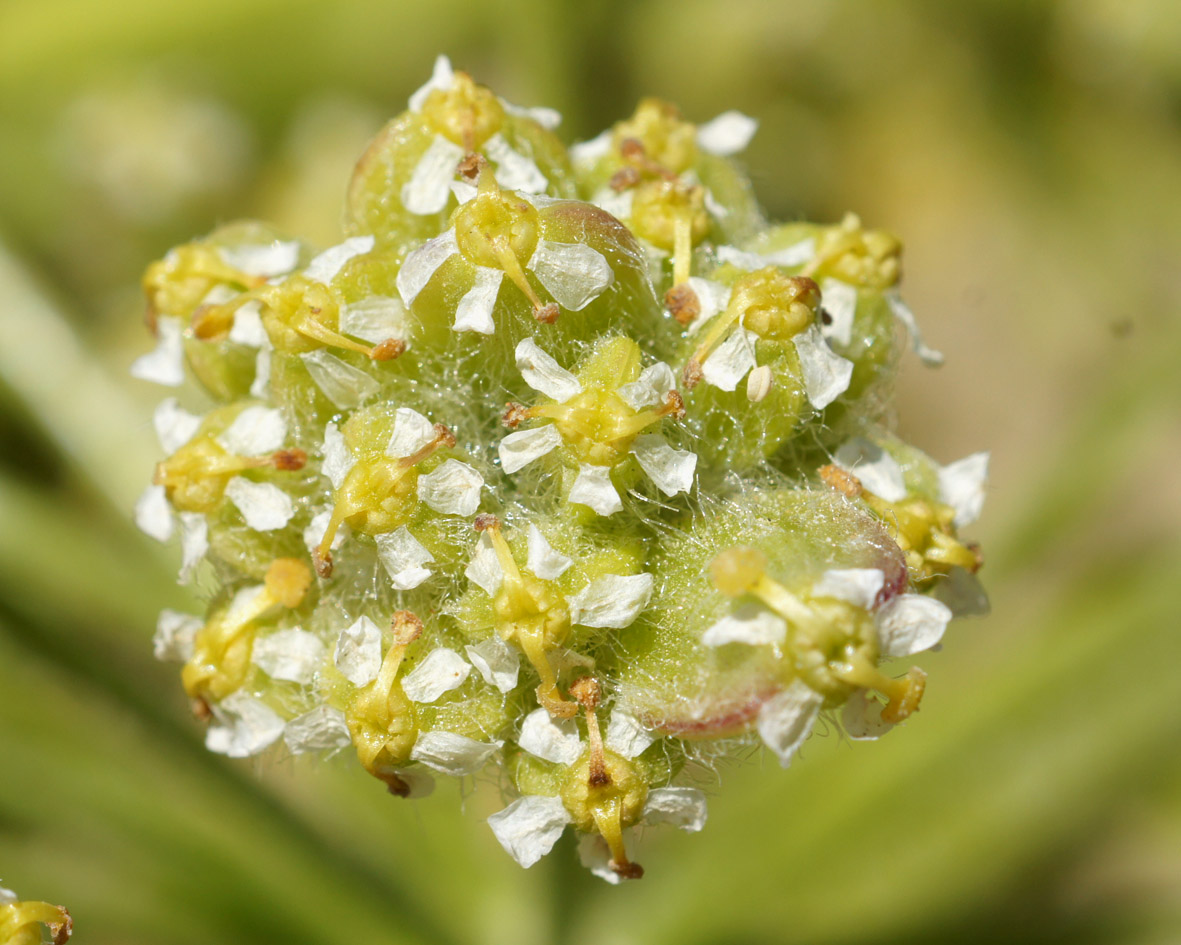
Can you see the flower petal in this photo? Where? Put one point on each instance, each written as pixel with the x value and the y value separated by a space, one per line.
pixel 292 655
pixel 194 542
pixel 484 569
pixel 442 78
pixel 174 425
pixel 263 505
pixel 826 373
pixel 314 533
pixel 595 855
pixel 375 319
pixel 594 488
pixel 337 459
pixel 961 485
pixel 543 560
pixel 244 726
pixel 164 364
pixel 423 263
pixel 343 384
pixel 254 432
pixel 260 386
pixel 911 623
pixel 452 489
pixel 548 118
pixel 963 594
pixel 496 661
pixel 683 807
pixel 529 827
pixel 514 171
pixel 153 514
pixel 358 652
pixel 247 328
pixel 712 297
pixel 440 671
pixel 550 740
pixel 625 735
pixel 322 729
pixel 429 187
pixel 786 719
pixel 618 203
pixel 266 260
pixel 650 388
pixel 403 557
pixel 727 365
pixel 173 640
pixel 727 134
pixel 876 469
pixel 902 312
pixel 592 150
pixel 856 586
pixel 544 374
pixel 794 255
pixel 862 717
pixel 451 753
pixel 671 469
pixel 324 267
pixel 753 626
pixel 573 273
pixel 474 311
pixel 613 600
pixel 412 431
pixel 839 300
pixel 519 449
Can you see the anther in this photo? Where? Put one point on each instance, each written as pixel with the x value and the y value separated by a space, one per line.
pixel 469 167
pixel 513 414
pixel 682 303
pixel 289 460
pixel 840 480
pixel 586 692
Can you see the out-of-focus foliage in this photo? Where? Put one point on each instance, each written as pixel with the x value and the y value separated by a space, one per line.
pixel 1029 154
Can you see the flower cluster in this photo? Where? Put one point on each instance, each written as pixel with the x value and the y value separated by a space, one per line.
pixel 562 467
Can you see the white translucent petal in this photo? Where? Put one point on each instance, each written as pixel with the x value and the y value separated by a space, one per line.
pixel 452 489
pixel 734 256
pixel 263 505
pixel 7 896
pixel 423 263
pixel 275 258
pixel 248 604
pixel 592 150
pixel 625 735
pixel 474 311
pixel 712 297
pixel 343 384
pixel 618 203
pixel 613 600
pixel 544 561
pixel 418 781
pixel 548 118
pixel 716 208
pixel 902 312
pixel 292 655
pixel 173 640
pixel 544 374
pixel 220 294
pixel 452 754
pixel 429 186
pixel 962 484
pixel 243 726
pixel 374 319
pixel 786 719
pixel 440 671
pixel 442 78
pixel 593 488
pixel 338 460
pixel 153 514
pixel 358 652
pixel 164 364
pixel 514 171
pixel 753 626
pixel 324 267
pixel 194 542
pixel 496 661
pixel 650 388
pixel 876 469
pixel 529 827
pixel 963 593
pixel 260 386
pixel 463 191
pixel 839 299
pixel 573 273
pixel 911 623
pixel 826 373
pixel 412 431
pixel 403 557
pixel 247 328
pixel 517 450
pixel 594 854
pixel 484 568
pixel 856 586
pixel 682 807
pixel 862 717
pixel 727 134
pixel 314 533
pixel 254 432
pixel 174 425
pixel 550 740
pixel 794 255
pixel 322 729
pixel 671 469
pixel 727 365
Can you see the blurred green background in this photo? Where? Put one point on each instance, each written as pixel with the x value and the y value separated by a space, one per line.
pixel 1029 155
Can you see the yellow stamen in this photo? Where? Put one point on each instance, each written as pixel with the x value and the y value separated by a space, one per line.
pixel 19 923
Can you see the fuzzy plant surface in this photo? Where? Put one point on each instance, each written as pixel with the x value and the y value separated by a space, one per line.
pixel 564 469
